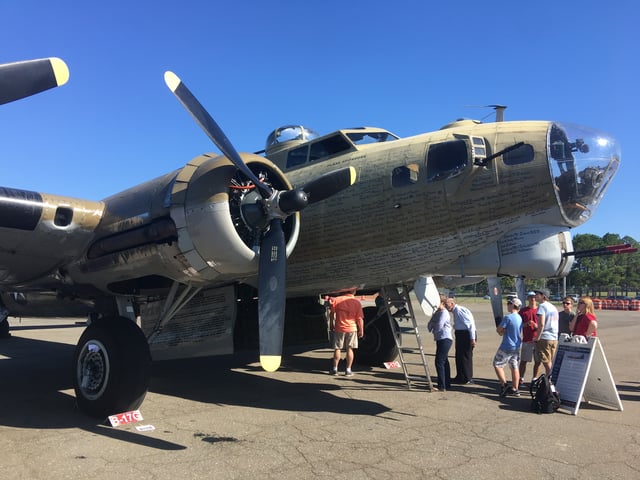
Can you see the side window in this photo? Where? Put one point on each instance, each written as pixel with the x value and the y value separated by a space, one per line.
pixel 297 156
pixel 523 154
pixel 405 175
pixel 63 216
pixel 446 160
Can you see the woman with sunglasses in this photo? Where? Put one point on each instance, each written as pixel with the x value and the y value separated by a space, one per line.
pixel 585 323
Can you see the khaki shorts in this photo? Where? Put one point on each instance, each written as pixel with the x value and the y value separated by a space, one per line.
pixel 345 339
pixel 545 349
pixel 526 352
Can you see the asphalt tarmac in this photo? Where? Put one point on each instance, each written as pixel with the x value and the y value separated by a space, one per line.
pixel 224 418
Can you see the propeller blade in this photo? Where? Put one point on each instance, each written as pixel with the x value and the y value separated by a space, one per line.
pixel 272 295
pixel 22 79
pixel 211 128
pixel 275 207
pixel 317 190
pixel 329 184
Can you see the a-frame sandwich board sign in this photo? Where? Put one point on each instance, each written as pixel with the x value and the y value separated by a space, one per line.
pixel 580 372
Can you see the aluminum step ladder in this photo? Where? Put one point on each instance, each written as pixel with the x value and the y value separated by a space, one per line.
pixel 412 359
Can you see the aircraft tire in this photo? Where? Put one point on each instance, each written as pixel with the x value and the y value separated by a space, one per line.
pixel 112 367
pixel 378 345
pixel 4 329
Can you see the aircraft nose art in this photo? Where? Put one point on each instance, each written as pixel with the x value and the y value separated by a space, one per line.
pixel 583 162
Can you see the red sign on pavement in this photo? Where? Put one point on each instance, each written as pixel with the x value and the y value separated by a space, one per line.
pixel 125 417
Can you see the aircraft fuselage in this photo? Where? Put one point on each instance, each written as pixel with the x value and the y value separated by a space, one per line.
pixel 419 204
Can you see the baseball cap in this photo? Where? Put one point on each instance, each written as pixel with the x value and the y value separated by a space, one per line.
pixel 543 291
pixel 516 302
pixel 531 294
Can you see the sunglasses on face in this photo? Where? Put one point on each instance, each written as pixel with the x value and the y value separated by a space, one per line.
pixel 566 303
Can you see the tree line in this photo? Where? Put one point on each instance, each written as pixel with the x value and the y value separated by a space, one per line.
pixel 611 274
pixel 595 276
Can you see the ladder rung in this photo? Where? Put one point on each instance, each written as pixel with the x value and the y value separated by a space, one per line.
pixel 410 330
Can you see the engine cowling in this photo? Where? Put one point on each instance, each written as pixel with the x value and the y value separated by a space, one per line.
pixel 195 225
pixel 215 210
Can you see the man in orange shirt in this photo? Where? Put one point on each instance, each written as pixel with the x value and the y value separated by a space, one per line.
pixel 347 324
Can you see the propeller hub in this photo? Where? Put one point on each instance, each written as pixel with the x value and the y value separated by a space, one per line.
pixel 252 211
pixel 292 200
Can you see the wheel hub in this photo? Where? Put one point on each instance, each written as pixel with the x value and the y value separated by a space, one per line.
pixel 93 369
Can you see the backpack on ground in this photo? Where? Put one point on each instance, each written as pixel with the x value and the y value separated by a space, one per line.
pixel 544 397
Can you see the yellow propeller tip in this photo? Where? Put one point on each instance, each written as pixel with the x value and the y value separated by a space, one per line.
pixel 172 80
pixel 270 363
pixel 353 175
pixel 60 70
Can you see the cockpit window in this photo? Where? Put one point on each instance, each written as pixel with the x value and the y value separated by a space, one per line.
pixel 366 138
pixel 297 156
pixel 329 146
pixel 446 159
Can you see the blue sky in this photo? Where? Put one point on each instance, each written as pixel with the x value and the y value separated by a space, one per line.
pixel 407 66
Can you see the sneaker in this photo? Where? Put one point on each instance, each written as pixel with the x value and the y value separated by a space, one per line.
pixel 348 373
pixel 333 371
pixel 504 389
pixel 512 392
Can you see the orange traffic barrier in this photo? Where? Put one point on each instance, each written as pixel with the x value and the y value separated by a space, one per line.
pixel 634 305
pixel 597 303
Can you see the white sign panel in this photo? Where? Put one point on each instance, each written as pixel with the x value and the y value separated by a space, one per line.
pixel 581 373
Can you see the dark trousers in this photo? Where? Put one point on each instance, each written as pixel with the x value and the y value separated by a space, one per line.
pixel 443 369
pixel 464 357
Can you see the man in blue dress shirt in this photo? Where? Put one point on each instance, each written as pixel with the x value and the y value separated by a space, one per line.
pixel 465 328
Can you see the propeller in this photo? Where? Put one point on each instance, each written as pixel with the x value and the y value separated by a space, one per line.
pixel 22 79
pixel 276 206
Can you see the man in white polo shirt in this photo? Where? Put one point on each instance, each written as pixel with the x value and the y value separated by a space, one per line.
pixel 547 336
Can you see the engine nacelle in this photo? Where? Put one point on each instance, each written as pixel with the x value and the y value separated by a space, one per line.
pixel 30 219
pixel 213 208
pixel 193 226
